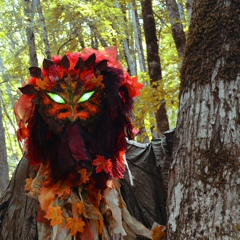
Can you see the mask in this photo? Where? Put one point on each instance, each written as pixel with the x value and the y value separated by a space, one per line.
pixel 75 108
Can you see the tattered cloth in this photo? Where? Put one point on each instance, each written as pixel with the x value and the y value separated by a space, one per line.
pixel 146 161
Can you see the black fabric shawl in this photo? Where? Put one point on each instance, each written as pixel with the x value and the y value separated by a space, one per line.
pixel 146 199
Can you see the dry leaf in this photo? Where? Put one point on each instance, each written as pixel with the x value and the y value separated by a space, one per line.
pixel 75 225
pixel 84 176
pixel 55 215
pixel 159 232
pixel 80 207
pixel 28 184
pixel 102 164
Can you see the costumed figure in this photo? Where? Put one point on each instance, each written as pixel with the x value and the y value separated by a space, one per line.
pixel 74 117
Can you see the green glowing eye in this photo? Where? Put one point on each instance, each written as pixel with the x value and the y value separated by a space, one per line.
pixel 86 96
pixel 56 98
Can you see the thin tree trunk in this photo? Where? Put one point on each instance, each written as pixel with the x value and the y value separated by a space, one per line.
pixel 177 27
pixel 2 69
pixel 97 35
pixel 4 108
pixel 132 68
pixel 189 6
pixel 94 41
pixel 131 65
pixel 138 36
pixel 153 59
pixel 44 30
pixel 80 37
pixel 29 14
pixel 4 178
pixel 204 178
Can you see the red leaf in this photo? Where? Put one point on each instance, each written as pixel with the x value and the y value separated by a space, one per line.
pixel 102 164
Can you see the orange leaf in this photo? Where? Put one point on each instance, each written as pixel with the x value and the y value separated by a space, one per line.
pixel 55 215
pixel 46 197
pixel 99 197
pixel 102 164
pixel 84 176
pixel 159 232
pixel 28 184
pixel 42 83
pixel 80 207
pixel 75 225
pixel 64 190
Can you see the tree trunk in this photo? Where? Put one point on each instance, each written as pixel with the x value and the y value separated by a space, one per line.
pixel 153 59
pixel 4 178
pixel 189 6
pixel 44 30
pixel 29 14
pixel 132 68
pixel 18 211
pixel 177 27
pixel 138 36
pixel 80 36
pixel 204 179
pixel 4 108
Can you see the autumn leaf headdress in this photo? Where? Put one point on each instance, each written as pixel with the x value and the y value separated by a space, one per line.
pixel 75 108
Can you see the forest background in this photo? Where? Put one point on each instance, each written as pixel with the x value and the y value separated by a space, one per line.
pixel 203 188
pixel 149 35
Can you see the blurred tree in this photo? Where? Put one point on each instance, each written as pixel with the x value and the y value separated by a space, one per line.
pixel 153 61
pixel 177 27
pixel 29 11
pixel 4 177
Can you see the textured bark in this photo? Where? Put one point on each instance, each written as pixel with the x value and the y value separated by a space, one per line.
pixel 204 179
pixel 132 67
pixel 12 144
pixel 44 30
pixel 4 170
pixel 29 14
pixel 189 6
pixel 17 210
pixel 80 36
pixel 153 59
pixel 177 27
pixel 138 36
pixel 4 179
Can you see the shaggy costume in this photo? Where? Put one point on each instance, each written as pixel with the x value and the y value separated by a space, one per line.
pixel 74 117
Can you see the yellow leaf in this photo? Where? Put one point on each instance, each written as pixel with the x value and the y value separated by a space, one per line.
pixel 42 83
pixel 55 215
pixel 75 225
pixel 28 184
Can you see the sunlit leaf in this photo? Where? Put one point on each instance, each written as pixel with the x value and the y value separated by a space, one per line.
pixel 54 214
pixel 75 225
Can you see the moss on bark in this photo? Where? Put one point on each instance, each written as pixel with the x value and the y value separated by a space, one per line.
pixel 214 34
